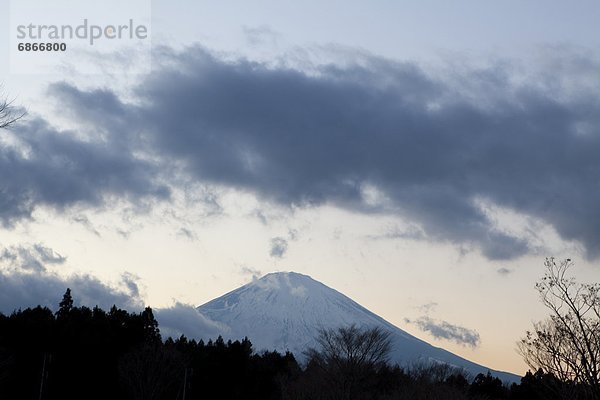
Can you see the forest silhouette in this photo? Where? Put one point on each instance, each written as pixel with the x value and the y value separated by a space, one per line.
pixel 90 353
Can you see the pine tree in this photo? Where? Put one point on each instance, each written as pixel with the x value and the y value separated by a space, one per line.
pixel 151 331
pixel 66 305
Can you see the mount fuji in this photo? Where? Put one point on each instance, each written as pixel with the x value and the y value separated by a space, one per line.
pixel 284 311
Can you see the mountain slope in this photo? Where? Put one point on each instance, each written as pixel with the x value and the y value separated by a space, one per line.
pixel 284 311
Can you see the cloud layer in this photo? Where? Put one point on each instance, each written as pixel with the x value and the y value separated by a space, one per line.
pixel 27 280
pixel 183 319
pixel 55 168
pixel 375 136
pixel 22 289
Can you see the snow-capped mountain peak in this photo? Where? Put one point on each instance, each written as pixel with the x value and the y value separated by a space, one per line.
pixel 284 311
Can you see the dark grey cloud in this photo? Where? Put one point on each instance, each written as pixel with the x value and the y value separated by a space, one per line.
pixel 445 330
pixel 432 145
pixel 47 255
pixel 58 169
pixel 131 282
pixel 280 244
pixel 26 287
pixel 22 289
pixel 279 247
pixel 27 281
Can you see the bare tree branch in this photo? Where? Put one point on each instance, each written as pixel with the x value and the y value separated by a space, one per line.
pixel 567 344
pixel 349 356
pixel 9 114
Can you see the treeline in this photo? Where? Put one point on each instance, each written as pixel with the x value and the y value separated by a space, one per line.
pixel 83 353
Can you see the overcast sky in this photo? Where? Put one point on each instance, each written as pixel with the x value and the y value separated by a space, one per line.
pixel 421 157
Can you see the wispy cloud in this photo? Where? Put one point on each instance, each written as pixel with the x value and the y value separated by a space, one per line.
pixel 445 330
pixel 410 233
pixel 428 307
pixel 186 234
pixel 253 272
pixel 86 223
pixel 30 257
pixel 279 247
pixel 261 35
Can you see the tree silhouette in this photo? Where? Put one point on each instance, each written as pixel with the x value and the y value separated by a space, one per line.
pixel 487 386
pixel 151 371
pixel 567 344
pixel 150 325
pixel 93 354
pixel 65 305
pixel 349 358
pixel 5 365
pixel 8 114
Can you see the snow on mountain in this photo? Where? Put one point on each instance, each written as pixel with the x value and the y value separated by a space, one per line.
pixel 285 310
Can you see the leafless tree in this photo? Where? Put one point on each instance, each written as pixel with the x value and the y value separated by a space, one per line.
pixel 355 346
pixel 567 344
pixel 9 114
pixel 348 358
pixel 151 372
pixel 436 373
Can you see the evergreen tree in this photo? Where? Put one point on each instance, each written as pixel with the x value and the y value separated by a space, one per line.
pixel 488 386
pixel 66 305
pixel 150 325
